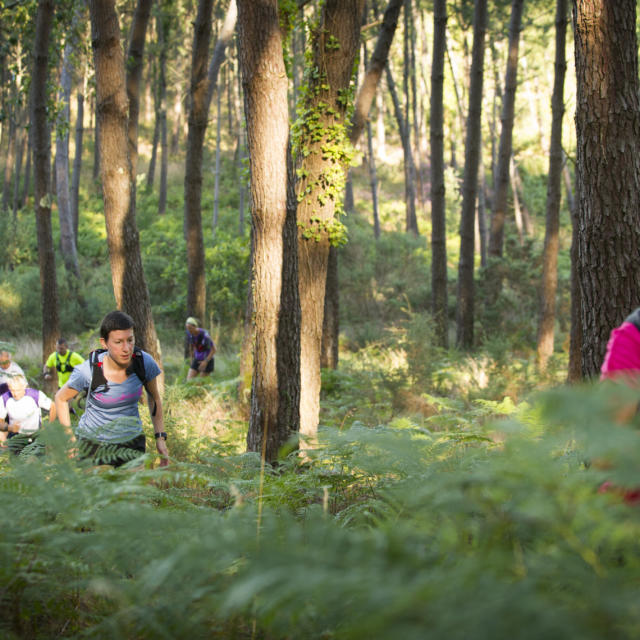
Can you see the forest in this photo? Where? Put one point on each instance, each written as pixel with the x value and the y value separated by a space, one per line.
pixel 410 227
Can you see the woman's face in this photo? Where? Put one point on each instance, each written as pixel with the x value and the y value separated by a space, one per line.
pixel 5 359
pixel 120 345
pixel 17 387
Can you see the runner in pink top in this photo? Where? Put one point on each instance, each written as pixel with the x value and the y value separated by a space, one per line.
pixel 623 350
pixel 623 360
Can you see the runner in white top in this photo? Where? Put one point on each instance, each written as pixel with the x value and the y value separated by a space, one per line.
pixel 8 369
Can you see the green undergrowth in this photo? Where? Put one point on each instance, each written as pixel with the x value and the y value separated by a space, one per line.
pixel 487 527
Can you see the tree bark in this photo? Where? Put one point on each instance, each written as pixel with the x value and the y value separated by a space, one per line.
pixel 135 56
pixel 127 273
pixel 197 126
pixel 554 193
pixel 42 168
pixel 501 190
pixel 465 311
pixel 608 169
pixel 438 214
pixel 411 222
pixel 77 160
pixel 335 46
pixel 271 423
pixel 67 235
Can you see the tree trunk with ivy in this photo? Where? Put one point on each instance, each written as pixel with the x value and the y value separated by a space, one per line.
pixel 322 142
pixel 112 114
pixel 608 135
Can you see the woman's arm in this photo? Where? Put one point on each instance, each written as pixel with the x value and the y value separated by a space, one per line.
pixel 157 418
pixel 61 407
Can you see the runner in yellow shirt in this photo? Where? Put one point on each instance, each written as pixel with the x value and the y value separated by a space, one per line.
pixel 62 360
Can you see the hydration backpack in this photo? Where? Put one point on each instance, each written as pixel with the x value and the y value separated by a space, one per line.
pixel 66 366
pixel 97 373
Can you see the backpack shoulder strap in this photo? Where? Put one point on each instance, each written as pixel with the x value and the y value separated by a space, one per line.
pixel 32 393
pixel 97 373
pixel 137 365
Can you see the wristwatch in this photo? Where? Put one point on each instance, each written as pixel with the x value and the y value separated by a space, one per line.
pixel 160 434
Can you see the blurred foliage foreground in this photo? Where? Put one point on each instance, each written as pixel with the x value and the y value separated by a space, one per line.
pixel 493 527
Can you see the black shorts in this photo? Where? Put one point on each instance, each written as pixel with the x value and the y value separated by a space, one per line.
pixel 195 364
pixel 114 454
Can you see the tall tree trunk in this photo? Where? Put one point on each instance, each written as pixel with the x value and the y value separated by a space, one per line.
pixel 216 184
pixel 465 311
pixel 77 159
pixel 135 55
pixel 42 167
pixel 127 273
pixel 411 223
pixel 10 160
pixel 501 190
pixel 368 88
pixel 197 121
pixel 67 235
pixel 26 185
pixel 329 350
pixel 574 372
pixel 96 146
pixel 153 160
pixel 274 416
pixel 336 43
pixel 608 135
pixel 482 209
pixel 438 217
pixel 554 193
pixel 21 140
pixel 373 181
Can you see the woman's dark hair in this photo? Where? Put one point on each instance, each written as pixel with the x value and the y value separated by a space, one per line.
pixel 115 321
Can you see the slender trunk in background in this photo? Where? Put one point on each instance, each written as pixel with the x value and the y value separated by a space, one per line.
pixel 26 185
pixel 164 147
pixel 129 283
pixel 96 146
pixel 67 235
pixel 42 166
pixel 482 209
pixel 608 135
pixel 197 126
pixel 574 371
pixel 275 387
pixel 465 309
pixel 373 181
pixel 135 56
pixel 324 106
pixel 527 221
pixel 162 29
pixel 438 214
pixel 517 212
pixel 375 68
pixel 77 159
pixel 9 161
pixel 501 190
pixel 153 160
pixel 174 144
pixel 21 140
pixel 554 194
pixel 219 52
pixel 216 186
pixel 411 222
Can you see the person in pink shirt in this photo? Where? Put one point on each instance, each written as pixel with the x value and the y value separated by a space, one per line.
pixel 622 363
